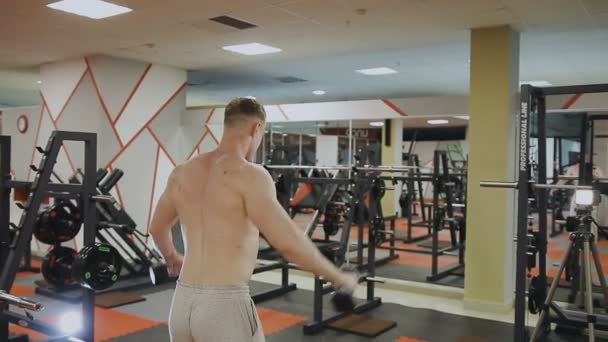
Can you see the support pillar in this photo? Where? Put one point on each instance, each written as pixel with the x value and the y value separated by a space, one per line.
pixel 489 278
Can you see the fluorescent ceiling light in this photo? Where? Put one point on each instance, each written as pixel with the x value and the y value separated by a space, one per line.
pixel 462 117
pixel 537 83
pixel 319 92
pixel 250 97
pixel 377 71
pixel 277 126
pixel 251 49
pixel 437 122
pixel 94 9
pixel 376 123
pixel 284 134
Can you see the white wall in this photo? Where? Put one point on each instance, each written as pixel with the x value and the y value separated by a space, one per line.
pixel 327 150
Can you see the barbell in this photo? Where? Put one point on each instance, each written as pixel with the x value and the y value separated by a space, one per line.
pixel 20 302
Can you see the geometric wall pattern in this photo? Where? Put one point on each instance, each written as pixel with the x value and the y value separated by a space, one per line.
pixel 135 109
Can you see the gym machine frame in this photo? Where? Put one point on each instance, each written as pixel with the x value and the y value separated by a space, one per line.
pixel 12 251
pixel 321 287
pixel 533 102
pixel 439 218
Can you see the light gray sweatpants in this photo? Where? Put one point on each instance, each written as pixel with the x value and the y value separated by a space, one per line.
pixel 213 314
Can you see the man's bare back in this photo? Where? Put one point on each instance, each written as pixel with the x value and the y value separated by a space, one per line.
pixel 222 242
pixel 221 199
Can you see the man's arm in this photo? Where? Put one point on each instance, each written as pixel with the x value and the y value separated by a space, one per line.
pixel 277 227
pixel 165 216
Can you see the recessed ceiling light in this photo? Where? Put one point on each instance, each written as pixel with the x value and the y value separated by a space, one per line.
pixel 251 49
pixel 377 71
pixel 94 9
pixel 319 92
pixel 437 122
pixel 537 83
pixel 250 97
pixel 284 134
pixel 376 123
pixel 39 82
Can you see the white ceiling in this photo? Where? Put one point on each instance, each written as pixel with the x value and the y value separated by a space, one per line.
pixel 323 41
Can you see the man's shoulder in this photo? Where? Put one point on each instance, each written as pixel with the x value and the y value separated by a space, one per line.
pixel 254 170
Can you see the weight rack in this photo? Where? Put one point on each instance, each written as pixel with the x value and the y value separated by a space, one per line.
pixel 533 107
pixel 13 251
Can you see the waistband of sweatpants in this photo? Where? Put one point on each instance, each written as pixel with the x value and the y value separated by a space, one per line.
pixel 227 291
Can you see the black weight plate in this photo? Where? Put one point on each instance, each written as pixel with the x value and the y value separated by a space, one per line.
pixel 65 220
pixel 42 230
pixel 159 274
pixel 57 266
pixel 58 224
pixel 97 267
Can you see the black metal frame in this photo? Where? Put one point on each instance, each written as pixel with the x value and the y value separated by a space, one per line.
pixel 321 287
pixel 533 102
pixel 42 187
pixel 441 170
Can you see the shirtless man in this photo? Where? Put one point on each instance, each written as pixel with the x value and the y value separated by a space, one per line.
pixel 223 201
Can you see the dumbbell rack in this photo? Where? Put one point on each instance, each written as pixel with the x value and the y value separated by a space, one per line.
pixel 13 251
pixel 115 228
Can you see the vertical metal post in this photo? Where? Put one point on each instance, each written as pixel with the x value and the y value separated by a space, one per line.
pixel 5 200
pixel 318 301
pixel 519 334
pixel 285 275
pixel 437 218
pixel 411 191
pixel 583 157
pixel 300 151
pixel 542 193
pixel 90 227
pixel 350 143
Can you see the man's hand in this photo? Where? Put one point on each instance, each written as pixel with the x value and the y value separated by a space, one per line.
pixel 174 264
pixel 347 282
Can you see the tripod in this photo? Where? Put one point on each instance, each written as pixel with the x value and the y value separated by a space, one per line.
pixel 580 240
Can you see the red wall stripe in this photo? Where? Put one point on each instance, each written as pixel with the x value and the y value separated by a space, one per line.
pixel 139 82
pixel 211 112
pixel 146 124
pixel 161 145
pixel 198 143
pixel 69 97
pixel 153 189
pixel 212 135
pixel 283 112
pixel 63 147
pixel 103 103
pixel 571 101
pixel 29 170
pixel 394 107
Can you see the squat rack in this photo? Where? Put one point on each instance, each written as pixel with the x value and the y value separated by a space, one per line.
pixel 533 106
pixel 12 250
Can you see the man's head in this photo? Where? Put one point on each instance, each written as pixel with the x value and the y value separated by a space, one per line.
pixel 246 116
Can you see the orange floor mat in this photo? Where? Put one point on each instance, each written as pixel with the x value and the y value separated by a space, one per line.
pixel 275 321
pixel 409 339
pixel 35 263
pixel 22 291
pixel 109 324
